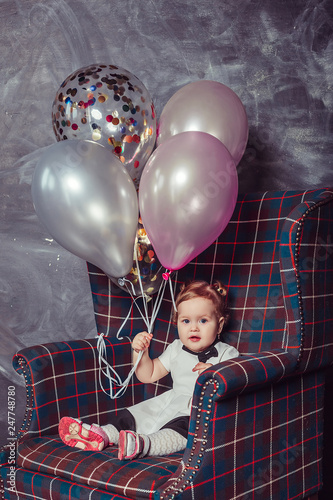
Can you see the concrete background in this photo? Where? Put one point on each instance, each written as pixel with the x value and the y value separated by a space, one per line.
pixel 275 54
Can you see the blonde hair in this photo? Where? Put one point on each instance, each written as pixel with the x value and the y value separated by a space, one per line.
pixel 216 292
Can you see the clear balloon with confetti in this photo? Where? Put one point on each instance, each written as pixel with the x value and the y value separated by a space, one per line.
pixel 146 267
pixel 109 105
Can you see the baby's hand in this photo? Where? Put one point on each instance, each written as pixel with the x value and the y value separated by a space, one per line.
pixel 141 341
pixel 200 367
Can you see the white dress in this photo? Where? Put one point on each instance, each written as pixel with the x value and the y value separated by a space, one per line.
pixel 152 414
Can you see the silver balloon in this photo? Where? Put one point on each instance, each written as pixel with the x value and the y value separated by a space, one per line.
pixel 87 201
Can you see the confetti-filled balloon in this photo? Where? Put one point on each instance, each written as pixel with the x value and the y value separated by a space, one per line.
pixel 148 267
pixel 206 106
pixel 109 105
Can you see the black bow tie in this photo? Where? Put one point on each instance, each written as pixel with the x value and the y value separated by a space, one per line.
pixel 210 352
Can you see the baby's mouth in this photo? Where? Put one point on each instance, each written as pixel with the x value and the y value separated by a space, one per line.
pixel 194 338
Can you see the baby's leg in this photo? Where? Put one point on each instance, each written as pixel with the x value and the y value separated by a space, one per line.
pixel 166 441
pixel 111 432
pixel 163 442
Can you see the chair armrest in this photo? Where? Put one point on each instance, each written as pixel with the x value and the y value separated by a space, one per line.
pixel 246 373
pixel 221 384
pixel 306 262
pixel 62 378
pixel 232 416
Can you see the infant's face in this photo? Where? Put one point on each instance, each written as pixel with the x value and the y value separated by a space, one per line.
pixel 197 323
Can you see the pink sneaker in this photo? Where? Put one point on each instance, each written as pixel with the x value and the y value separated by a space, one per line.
pixel 75 433
pixel 132 445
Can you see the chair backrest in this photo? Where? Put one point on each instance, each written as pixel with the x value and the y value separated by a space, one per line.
pixel 259 259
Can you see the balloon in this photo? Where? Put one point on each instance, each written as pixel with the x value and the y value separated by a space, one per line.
pixel 109 105
pixel 149 268
pixel 188 192
pixel 206 106
pixel 87 201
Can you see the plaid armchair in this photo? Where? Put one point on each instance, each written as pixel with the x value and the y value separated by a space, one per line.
pixel 256 427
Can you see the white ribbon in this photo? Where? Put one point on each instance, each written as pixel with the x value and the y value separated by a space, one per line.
pixel 104 367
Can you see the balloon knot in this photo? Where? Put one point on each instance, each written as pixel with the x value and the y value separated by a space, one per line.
pixel 166 275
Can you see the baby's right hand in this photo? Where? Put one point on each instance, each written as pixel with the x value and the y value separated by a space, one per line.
pixel 141 341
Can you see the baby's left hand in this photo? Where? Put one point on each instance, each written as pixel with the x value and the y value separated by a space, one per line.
pixel 200 367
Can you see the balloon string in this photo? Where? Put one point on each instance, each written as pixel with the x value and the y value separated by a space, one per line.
pixel 138 308
pixel 108 371
pixel 125 281
pixel 146 316
pixel 141 287
pixel 157 305
pixel 172 295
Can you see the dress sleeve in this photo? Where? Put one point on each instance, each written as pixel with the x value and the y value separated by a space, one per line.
pixel 168 355
pixel 228 352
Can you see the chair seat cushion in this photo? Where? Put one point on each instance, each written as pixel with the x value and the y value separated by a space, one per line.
pixel 133 479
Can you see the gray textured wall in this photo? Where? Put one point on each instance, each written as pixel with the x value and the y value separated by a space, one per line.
pixel 275 54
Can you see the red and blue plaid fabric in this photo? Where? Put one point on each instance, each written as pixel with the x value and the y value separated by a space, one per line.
pixel 262 444
pixel 67 375
pixel 259 260
pixel 256 425
pixel 42 486
pixel 138 479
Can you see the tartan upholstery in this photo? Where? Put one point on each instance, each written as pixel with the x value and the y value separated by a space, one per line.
pixel 66 375
pixel 49 486
pixel 259 272
pixel 138 479
pixel 307 244
pixel 263 444
pixel 256 427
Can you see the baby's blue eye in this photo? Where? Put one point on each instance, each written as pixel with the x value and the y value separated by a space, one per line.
pixel 185 321
pixel 203 320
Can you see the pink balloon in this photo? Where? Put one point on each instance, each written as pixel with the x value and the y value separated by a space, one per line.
pixel 206 106
pixel 187 194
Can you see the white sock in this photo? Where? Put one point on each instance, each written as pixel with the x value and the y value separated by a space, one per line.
pixel 166 441
pixel 111 432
